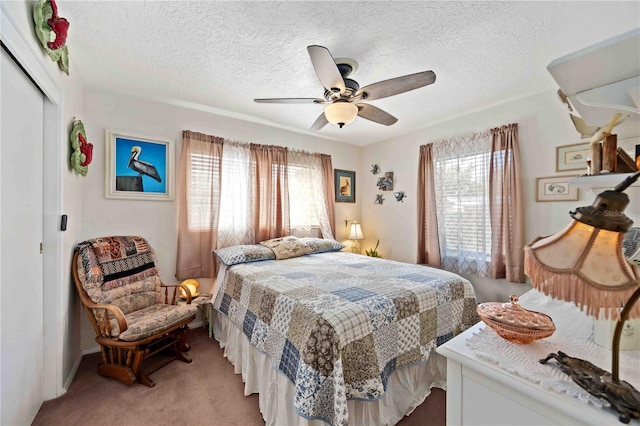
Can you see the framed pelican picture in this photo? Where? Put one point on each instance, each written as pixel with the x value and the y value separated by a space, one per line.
pixel 138 167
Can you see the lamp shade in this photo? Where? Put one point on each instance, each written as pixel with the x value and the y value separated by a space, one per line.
pixel 340 113
pixel 585 265
pixel 356 232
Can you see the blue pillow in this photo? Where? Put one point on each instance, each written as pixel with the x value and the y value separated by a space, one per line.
pixel 321 245
pixel 244 254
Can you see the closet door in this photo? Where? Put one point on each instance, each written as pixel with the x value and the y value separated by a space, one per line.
pixel 21 233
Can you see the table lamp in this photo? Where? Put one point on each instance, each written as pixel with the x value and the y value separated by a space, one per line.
pixel 355 234
pixel 585 264
pixel 192 285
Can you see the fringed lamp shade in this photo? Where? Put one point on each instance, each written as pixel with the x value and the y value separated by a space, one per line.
pixel 584 265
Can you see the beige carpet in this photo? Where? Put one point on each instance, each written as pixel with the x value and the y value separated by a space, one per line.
pixel 205 392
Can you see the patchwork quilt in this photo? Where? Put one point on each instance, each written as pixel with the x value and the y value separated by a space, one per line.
pixel 339 324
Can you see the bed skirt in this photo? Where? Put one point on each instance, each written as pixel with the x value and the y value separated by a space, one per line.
pixel 407 388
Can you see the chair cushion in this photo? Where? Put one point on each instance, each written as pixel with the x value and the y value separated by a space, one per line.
pixel 152 320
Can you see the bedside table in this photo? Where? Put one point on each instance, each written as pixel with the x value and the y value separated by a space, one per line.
pixel 205 305
pixel 491 381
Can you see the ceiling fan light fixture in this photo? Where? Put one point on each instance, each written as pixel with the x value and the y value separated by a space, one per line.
pixel 341 113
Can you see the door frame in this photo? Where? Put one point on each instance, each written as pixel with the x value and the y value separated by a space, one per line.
pixel 54 319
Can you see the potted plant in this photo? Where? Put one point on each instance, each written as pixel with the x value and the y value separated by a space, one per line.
pixel 374 251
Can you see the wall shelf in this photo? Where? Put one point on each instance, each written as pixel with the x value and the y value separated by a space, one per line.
pixel 603 79
pixel 601 181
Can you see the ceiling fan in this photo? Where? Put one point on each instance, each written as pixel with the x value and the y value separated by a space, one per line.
pixel 342 95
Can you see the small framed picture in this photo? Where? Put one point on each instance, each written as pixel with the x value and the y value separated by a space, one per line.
pixel 345 186
pixel 556 188
pixel 138 167
pixel 572 157
pixel 385 183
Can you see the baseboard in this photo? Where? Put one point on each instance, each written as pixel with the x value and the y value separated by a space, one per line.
pixel 72 373
pixel 92 350
pixel 196 324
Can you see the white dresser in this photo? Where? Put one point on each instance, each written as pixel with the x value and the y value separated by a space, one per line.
pixel 491 381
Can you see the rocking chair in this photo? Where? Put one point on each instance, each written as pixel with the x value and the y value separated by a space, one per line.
pixel 133 314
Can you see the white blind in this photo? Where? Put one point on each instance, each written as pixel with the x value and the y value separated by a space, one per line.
pixel 203 168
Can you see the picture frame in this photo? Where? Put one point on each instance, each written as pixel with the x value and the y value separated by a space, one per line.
pixel 139 167
pixel 572 157
pixel 385 183
pixel 345 185
pixel 556 188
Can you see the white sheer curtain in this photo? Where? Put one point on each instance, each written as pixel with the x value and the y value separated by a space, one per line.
pixel 235 225
pixel 307 195
pixel 461 176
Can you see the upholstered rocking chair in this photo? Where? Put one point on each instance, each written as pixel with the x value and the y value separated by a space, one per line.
pixel 133 314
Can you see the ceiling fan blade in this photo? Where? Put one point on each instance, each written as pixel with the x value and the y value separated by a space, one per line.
pixel 326 69
pixel 375 114
pixel 290 101
pixel 321 121
pixel 397 85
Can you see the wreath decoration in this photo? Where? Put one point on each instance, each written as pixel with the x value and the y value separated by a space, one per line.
pixel 51 30
pixel 82 150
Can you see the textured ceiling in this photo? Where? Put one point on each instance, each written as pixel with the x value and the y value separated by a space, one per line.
pixel 220 55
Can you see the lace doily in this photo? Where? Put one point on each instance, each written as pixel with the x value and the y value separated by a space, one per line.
pixel 573 336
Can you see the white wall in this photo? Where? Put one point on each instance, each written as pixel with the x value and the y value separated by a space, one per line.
pixel 543 124
pixel 157 220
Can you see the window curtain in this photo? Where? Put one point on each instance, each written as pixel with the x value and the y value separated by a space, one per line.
pixel 428 245
pixel 307 195
pixel 327 172
pixel 461 172
pixel 236 224
pixel 198 204
pixel 235 193
pixel 506 205
pixel 270 192
pixel 443 195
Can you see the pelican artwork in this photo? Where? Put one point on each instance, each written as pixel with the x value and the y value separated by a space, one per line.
pixel 142 167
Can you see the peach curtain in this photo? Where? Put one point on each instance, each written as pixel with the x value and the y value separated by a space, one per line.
pixel 270 192
pixel 198 216
pixel 327 171
pixel 506 205
pixel 428 240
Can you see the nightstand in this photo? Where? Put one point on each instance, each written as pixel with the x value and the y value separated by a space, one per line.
pixel 491 381
pixel 204 303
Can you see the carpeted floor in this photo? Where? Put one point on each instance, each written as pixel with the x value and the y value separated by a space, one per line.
pixel 205 392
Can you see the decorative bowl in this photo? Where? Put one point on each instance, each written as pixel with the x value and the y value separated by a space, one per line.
pixel 514 323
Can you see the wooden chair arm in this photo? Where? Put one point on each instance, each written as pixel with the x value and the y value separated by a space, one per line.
pixel 104 323
pixel 168 287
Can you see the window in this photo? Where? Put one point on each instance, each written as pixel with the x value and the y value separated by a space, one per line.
pixel 307 206
pixel 307 203
pixel 461 178
pixel 470 205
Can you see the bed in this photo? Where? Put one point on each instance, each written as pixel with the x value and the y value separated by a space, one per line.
pixel 335 337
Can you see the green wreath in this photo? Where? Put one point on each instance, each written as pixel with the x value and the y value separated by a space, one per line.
pixel 52 32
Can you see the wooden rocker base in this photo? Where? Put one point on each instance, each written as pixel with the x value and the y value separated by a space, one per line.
pixel 123 360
